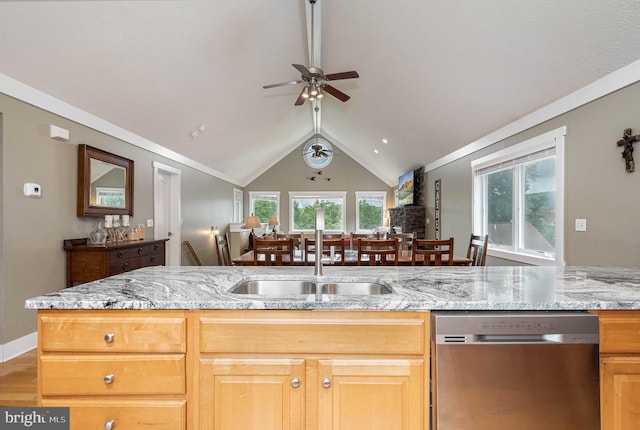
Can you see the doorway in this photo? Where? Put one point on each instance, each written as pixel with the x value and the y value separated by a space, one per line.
pixel 166 210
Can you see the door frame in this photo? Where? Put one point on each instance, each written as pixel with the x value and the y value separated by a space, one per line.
pixel 175 241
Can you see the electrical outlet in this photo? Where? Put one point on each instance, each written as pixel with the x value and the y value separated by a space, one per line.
pixel 581 224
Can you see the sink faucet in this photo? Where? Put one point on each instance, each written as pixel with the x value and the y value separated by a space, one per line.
pixel 319 228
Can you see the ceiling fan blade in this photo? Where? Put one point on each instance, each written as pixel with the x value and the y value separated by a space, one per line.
pixel 300 100
pixel 336 93
pixel 281 84
pixel 344 75
pixel 306 74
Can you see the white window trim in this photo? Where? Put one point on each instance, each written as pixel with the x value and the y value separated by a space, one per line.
pixel 363 195
pixel 554 138
pixel 318 195
pixel 255 194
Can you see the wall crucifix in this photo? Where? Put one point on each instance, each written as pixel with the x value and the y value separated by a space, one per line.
pixel 627 141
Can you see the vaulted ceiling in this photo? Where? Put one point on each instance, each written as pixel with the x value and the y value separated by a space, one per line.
pixel 435 75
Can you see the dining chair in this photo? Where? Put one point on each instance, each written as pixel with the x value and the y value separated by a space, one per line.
pixel 429 252
pixel 327 243
pixel 222 249
pixel 298 238
pixel 378 251
pixel 276 252
pixel 405 242
pixel 477 251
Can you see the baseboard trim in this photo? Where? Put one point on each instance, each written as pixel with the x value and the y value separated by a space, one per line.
pixel 18 347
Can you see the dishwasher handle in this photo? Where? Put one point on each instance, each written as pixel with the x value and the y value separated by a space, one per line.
pixel 516 339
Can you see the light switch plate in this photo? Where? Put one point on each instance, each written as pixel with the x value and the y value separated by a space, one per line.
pixel 581 224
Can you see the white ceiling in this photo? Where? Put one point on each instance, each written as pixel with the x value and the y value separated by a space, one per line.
pixel 435 75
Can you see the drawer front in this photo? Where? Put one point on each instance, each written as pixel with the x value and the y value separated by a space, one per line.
pixel 125 414
pixel 119 255
pixel 101 332
pixel 314 332
pixel 620 332
pixel 71 375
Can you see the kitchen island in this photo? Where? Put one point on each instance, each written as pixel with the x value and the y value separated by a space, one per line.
pixel 171 347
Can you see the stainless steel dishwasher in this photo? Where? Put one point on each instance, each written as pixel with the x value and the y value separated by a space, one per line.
pixel 515 370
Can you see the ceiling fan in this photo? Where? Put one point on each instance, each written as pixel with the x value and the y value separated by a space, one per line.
pixel 316 82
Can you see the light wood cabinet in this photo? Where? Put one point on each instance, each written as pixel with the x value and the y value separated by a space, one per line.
pixel 236 370
pixel 115 369
pixel 319 370
pixel 620 370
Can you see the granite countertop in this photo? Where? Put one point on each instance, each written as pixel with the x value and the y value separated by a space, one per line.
pixel 414 289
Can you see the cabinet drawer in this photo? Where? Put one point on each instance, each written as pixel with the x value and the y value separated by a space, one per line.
pixel 129 374
pixel 620 332
pixel 125 414
pixel 314 332
pixel 119 255
pixel 102 332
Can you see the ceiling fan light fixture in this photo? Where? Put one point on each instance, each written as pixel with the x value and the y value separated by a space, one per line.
pixel 320 95
pixel 305 92
pixel 314 90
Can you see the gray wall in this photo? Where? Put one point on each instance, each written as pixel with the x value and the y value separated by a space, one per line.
pixel 346 175
pixel 597 187
pixel 33 229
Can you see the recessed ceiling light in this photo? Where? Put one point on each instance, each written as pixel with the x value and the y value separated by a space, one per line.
pixel 385 141
pixel 375 151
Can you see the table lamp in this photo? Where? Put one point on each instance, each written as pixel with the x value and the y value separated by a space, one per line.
pixel 252 222
pixel 273 221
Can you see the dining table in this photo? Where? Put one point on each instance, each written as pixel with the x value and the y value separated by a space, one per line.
pixel 351 259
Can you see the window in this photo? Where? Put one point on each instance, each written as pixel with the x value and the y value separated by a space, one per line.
pixel 370 206
pixel 518 200
pixel 303 210
pixel 110 197
pixel 264 204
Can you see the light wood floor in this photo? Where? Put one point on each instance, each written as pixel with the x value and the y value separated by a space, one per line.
pixel 18 381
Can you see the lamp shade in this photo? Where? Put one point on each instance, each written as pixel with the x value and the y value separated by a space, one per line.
pixel 252 222
pixel 274 220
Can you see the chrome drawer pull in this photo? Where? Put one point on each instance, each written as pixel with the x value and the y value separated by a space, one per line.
pixel 108 378
pixel 326 383
pixel 295 382
pixel 108 337
pixel 109 425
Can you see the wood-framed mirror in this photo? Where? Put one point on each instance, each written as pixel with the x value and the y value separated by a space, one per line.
pixel 105 183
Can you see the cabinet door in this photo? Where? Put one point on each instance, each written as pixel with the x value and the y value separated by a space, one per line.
pixel 366 394
pixel 620 403
pixel 252 394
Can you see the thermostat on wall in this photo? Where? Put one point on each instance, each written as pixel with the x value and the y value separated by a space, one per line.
pixel 32 190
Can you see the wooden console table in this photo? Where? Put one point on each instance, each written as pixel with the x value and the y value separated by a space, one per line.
pixel 86 262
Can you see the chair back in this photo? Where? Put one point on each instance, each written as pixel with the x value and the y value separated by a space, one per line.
pixel 222 249
pixel 378 251
pixel 276 252
pixel 477 251
pixel 332 235
pixel 327 244
pixel 405 241
pixel 298 238
pixel 431 252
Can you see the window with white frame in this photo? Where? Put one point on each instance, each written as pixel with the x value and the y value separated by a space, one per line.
pixel 110 197
pixel 518 200
pixel 302 210
pixel 264 205
pixel 370 207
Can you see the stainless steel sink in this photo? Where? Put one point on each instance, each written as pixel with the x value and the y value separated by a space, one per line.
pixel 355 288
pixel 288 287
pixel 274 288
